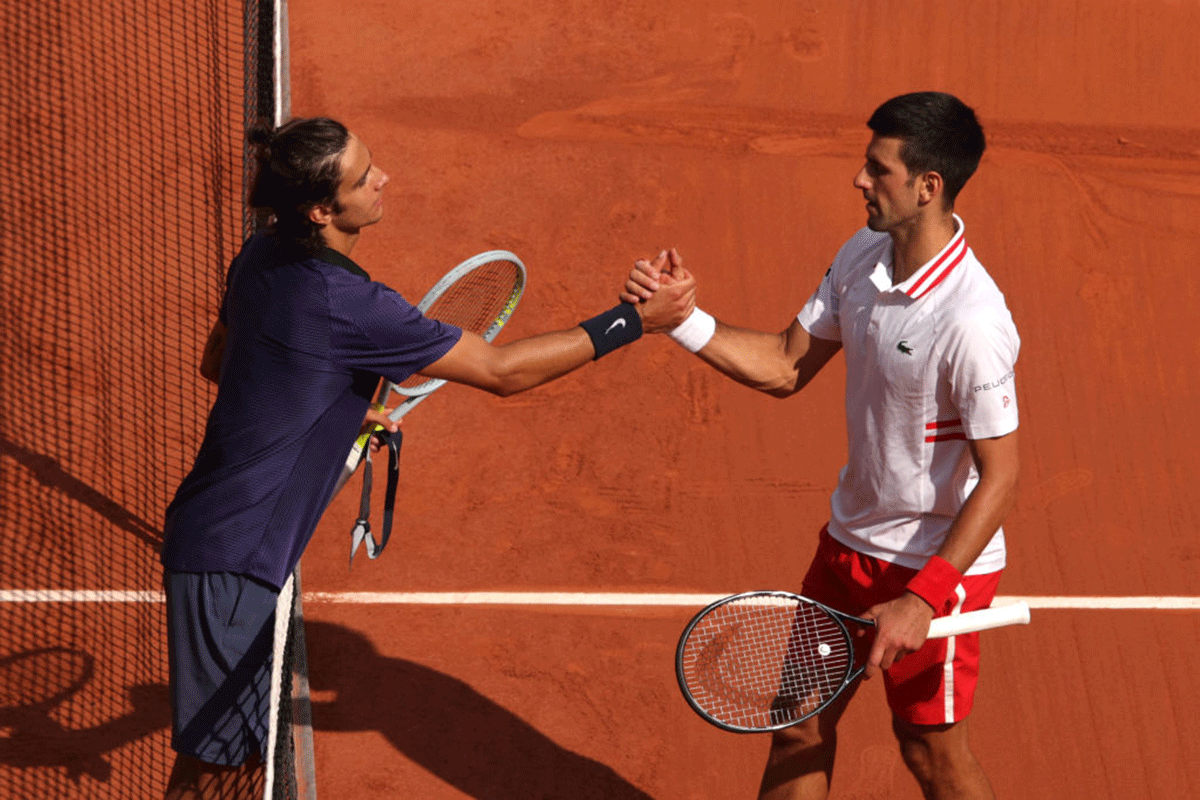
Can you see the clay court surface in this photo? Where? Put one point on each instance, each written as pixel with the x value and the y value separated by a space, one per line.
pixel 582 135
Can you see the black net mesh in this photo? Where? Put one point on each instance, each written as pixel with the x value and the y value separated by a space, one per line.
pixel 123 182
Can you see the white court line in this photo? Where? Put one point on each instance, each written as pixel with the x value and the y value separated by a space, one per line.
pixel 79 596
pixel 513 598
pixel 562 599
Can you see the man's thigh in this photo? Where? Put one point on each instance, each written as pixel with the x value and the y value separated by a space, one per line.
pixel 934 685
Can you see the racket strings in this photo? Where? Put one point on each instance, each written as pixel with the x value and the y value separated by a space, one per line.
pixel 816 664
pixel 764 662
pixel 477 302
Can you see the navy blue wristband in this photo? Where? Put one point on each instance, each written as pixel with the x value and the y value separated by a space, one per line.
pixel 614 328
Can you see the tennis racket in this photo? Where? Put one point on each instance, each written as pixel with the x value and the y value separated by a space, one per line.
pixel 479 295
pixel 761 661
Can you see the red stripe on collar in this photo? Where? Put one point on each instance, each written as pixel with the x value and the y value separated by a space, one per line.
pixel 939 269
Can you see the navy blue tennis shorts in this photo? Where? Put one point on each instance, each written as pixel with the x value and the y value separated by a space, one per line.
pixel 219 635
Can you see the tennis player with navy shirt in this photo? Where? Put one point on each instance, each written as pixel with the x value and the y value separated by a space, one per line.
pixel 301 341
pixel 931 417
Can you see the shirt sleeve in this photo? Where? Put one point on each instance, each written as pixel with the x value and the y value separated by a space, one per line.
pixel 982 359
pixel 375 329
pixel 820 314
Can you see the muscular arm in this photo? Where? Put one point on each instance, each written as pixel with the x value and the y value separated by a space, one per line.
pixel 778 364
pixel 516 366
pixel 988 504
pixel 903 623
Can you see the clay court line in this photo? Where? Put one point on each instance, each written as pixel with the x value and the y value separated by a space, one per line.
pixel 563 599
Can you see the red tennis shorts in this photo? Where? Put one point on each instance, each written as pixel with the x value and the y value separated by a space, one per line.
pixel 936 684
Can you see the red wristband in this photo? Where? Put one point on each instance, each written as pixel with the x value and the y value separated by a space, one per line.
pixel 936 582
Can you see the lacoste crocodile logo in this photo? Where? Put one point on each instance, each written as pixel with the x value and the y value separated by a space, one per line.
pixel 904 348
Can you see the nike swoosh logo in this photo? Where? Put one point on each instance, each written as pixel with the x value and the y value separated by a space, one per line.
pixel 616 323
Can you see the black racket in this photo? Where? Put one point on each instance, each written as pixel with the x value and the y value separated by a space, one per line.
pixel 761 661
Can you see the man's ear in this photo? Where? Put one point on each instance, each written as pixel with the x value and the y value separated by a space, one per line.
pixel 321 214
pixel 932 185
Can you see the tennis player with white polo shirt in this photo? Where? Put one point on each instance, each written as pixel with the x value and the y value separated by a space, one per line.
pixel 931 417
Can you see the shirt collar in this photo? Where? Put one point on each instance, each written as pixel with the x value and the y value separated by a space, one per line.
pixel 331 256
pixel 931 273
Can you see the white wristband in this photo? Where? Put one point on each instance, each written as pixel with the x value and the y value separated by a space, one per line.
pixel 695 331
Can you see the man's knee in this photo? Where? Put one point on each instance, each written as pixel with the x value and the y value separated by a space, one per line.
pixel 184 781
pixel 193 779
pixel 804 748
pixel 929 748
pixel 801 753
pixel 808 734
pixel 939 756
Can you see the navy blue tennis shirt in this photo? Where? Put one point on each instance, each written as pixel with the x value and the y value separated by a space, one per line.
pixel 306 343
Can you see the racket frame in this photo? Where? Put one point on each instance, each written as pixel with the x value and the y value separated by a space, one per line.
pixel 940 627
pixel 416 394
pixel 837 617
pixel 440 288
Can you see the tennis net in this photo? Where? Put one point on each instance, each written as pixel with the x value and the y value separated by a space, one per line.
pixel 123 140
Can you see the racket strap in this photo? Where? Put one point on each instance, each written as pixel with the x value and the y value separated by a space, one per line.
pixel 361 534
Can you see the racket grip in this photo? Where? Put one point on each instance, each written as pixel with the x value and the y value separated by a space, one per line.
pixel 356 449
pixel 365 437
pixel 985 619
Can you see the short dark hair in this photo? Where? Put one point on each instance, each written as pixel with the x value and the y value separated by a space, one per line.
pixel 940 134
pixel 297 167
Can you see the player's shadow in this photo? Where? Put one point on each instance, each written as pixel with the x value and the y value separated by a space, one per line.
pixel 47 471
pixel 35 683
pixel 441 723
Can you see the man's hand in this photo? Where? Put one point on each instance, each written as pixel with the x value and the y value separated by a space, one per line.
pixel 378 417
pixel 901 627
pixel 663 292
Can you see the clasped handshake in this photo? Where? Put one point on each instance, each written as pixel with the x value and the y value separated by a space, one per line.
pixel 663 292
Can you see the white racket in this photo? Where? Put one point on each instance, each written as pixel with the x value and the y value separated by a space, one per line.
pixel 479 295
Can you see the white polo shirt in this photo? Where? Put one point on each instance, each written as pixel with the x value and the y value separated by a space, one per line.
pixel 929 364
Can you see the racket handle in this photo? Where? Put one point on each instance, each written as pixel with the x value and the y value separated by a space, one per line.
pixel 360 443
pixel 994 617
pixel 363 438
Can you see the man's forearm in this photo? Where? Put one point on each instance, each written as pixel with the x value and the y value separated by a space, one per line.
pixel 977 522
